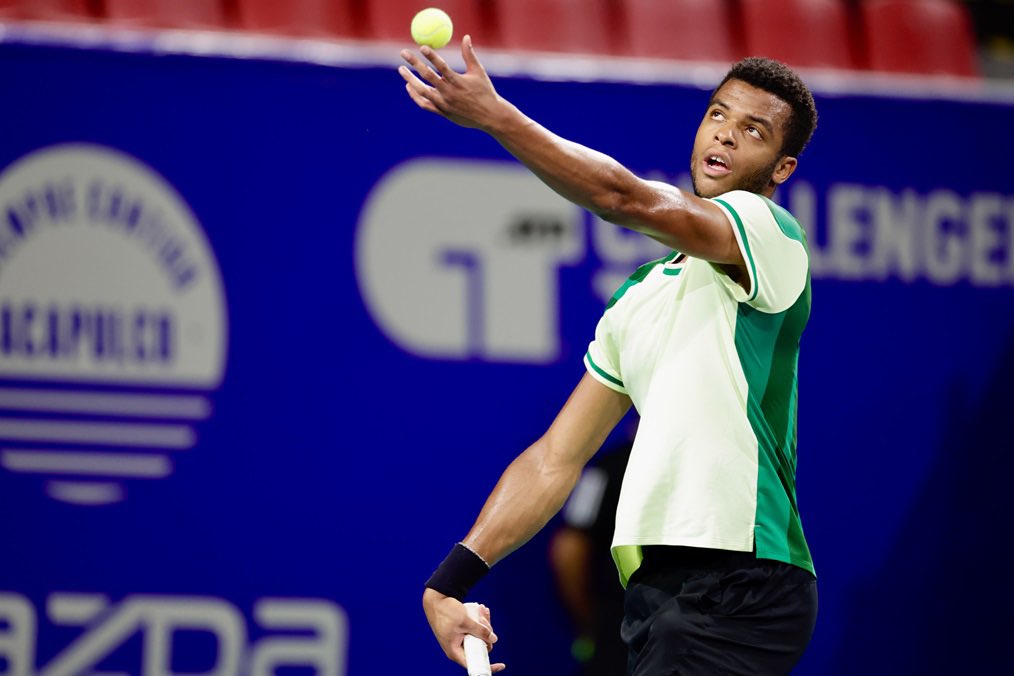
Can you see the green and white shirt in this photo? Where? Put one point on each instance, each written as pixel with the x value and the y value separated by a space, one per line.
pixel 711 369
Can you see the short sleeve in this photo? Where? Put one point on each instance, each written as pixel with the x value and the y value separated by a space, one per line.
pixel 774 249
pixel 603 360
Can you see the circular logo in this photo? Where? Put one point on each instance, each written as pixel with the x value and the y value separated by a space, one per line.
pixel 112 322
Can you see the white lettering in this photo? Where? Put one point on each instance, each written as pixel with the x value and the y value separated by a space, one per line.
pixel 165 616
pixel 75 610
pixel 305 633
pixel 944 246
pixel 896 221
pixel 461 260
pixel 984 214
pixel 875 234
pixel 847 211
pixel 17 634
pixel 324 651
pixel 96 643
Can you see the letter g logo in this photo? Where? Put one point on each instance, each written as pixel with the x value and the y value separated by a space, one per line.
pixel 459 260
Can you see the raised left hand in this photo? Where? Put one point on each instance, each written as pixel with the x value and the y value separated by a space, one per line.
pixel 467 99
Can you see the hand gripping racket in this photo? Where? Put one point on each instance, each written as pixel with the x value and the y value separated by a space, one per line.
pixel 476 653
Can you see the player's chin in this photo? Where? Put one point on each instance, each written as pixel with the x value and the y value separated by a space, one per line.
pixel 708 187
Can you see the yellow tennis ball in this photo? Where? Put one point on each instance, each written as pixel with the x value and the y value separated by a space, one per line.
pixel 432 27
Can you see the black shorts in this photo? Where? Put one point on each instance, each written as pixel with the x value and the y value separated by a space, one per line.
pixel 713 612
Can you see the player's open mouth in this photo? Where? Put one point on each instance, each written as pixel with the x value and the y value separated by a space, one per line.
pixel 715 166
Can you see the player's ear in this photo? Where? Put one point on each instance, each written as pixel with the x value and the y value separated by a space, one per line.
pixel 784 169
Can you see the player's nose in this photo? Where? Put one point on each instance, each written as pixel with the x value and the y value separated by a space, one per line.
pixel 725 135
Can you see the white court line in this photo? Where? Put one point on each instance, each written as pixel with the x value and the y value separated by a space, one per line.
pixel 106 464
pixel 98 403
pixel 81 493
pixel 110 434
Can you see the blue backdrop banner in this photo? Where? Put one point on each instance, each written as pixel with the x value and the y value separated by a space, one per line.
pixel 269 334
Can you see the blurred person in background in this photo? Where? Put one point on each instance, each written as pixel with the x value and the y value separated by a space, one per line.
pixel 583 567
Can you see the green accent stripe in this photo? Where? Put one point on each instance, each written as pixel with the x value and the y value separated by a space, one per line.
pixel 638 277
pixel 768 349
pixel 672 272
pixel 746 245
pixel 602 373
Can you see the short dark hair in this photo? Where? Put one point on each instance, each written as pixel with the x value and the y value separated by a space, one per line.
pixel 778 79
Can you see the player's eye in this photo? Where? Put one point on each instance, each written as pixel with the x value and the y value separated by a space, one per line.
pixel 717 115
pixel 754 131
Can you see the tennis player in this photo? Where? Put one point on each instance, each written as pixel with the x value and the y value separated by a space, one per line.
pixel 705 344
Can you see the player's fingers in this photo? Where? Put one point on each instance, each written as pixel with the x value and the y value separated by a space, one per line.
pixel 468 54
pixel 410 77
pixel 484 614
pixel 456 651
pixel 480 630
pixel 421 100
pixel 421 67
pixel 414 84
pixel 499 666
pixel 438 62
pixel 481 621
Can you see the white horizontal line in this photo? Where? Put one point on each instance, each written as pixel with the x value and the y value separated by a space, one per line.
pixel 110 434
pixel 83 493
pixel 99 403
pixel 107 464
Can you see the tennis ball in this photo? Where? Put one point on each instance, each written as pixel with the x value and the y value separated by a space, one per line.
pixel 432 27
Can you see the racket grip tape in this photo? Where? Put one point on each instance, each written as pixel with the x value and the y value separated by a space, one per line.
pixel 476 653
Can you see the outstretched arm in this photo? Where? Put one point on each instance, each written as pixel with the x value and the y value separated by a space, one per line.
pixel 531 490
pixel 584 176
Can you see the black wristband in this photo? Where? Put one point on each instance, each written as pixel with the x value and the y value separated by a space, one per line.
pixel 458 572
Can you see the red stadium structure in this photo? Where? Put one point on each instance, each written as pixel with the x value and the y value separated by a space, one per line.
pixel 919 36
pixel 325 18
pixel 46 9
pixel 170 13
pixel 803 33
pixel 671 29
pixel 583 26
pixel 933 37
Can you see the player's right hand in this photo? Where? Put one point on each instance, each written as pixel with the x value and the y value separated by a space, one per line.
pixel 450 623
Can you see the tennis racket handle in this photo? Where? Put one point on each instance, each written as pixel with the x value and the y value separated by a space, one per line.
pixel 476 654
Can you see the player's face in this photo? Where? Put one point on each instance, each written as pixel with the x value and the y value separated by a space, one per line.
pixel 738 145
